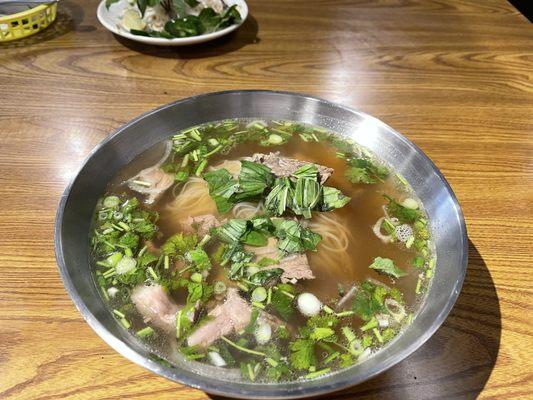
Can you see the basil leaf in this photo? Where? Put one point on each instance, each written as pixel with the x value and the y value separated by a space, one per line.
pixel 306 196
pixel 185 27
pixel 333 198
pixel 255 238
pixel 179 8
pixel 209 18
pixel 142 4
pixel 254 178
pixel 294 238
pixel 221 187
pixel 309 171
pixel 279 197
pixel 229 17
pixel 233 230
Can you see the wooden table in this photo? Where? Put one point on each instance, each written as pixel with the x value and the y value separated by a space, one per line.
pixel 453 76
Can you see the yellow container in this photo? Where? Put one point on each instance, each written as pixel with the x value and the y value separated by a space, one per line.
pixel 26 23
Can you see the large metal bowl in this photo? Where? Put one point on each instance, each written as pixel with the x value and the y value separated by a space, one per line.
pixel 78 201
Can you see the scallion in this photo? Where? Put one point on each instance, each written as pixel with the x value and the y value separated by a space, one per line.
pixel 145 332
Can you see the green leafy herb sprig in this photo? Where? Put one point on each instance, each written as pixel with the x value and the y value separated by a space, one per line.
pixel 301 193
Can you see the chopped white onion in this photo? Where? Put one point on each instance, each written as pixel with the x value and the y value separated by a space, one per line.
pixel 125 265
pixel 383 320
pixel 410 203
pixel 308 304
pixel 112 292
pixel 377 231
pixel 263 332
pixel 216 359
pixel 257 122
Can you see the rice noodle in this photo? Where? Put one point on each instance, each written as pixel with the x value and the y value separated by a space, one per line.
pixel 333 248
pixel 247 210
pixel 192 199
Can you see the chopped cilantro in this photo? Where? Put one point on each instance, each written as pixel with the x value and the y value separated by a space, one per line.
pixel 386 266
pixel 333 198
pixel 405 215
pixel 179 244
pixel 302 354
pixel 321 333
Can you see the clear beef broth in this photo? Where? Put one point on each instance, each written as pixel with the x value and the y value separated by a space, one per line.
pixel 359 216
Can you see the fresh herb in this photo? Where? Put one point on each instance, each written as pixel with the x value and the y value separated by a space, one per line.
pixel 294 238
pixel 321 333
pixel 254 178
pixel 179 244
pixel 198 291
pixel 302 354
pixel 282 302
pixel 121 226
pixel 364 171
pixel 333 198
pixel 280 197
pixel 365 304
pixel 184 25
pixel 370 300
pixel 419 262
pixel 235 257
pixel 200 259
pixel 386 266
pixel 263 277
pixel 222 186
pixel 405 215
pixel 306 196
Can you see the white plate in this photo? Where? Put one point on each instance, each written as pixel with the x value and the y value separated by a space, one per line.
pixel 111 19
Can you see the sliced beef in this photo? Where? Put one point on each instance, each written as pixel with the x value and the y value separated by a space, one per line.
pixel 295 267
pixel 155 306
pixel 153 181
pixel 200 224
pixel 229 317
pixel 284 166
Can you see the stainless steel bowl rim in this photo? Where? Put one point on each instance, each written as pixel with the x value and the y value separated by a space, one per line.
pixel 270 391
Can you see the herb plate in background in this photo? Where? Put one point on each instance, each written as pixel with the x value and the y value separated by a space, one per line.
pixel 111 19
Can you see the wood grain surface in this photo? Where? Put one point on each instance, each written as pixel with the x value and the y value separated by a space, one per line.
pixel 455 76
